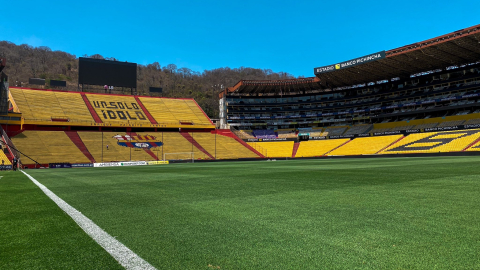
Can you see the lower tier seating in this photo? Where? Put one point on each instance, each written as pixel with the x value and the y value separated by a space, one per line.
pixel 96 143
pixel 276 149
pixel 48 147
pixel 434 142
pixel 318 148
pixel 56 147
pixel 223 147
pixel 4 158
pixel 174 142
pixel 365 146
pixel 474 147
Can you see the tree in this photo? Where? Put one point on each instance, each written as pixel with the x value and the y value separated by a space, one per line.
pixel 25 61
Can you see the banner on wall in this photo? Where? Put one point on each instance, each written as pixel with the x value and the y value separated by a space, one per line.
pixel 157 162
pixel 120 164
pixel 82 165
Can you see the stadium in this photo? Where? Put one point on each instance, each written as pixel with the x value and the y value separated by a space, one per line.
pixel 371 163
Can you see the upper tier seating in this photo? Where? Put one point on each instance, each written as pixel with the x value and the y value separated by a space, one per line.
pixel 451 123
pixel 37 105
pixel 41 105
pixel 48 147
pixel 116 108
pixel 332 131
pixel 244 134
pixel 365 146
pixel 423 126
pixel 475 121
pixel 398 128
pixel 167 110
pixel 276 149
pixel 318 148
pixel 380 130
pixel 286 133
pixel 318 132
pixel 358 129
pixel 434 142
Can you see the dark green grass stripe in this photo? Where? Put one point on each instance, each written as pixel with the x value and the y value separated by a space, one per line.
pixel 396 213
pixel 36 234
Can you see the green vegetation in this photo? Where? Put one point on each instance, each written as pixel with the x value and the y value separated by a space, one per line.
pixel 25 61
pixel 390 213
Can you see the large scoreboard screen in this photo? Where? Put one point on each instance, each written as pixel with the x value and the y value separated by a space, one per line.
pixel 105 72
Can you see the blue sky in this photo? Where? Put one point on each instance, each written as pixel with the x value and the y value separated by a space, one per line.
pixel 290 36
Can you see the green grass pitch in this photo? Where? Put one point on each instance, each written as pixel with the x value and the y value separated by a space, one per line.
pixel 390 213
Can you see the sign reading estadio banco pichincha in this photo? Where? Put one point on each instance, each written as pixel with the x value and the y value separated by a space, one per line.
pixel 351 63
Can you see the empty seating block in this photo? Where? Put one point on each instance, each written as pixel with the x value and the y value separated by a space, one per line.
pixel 475 121
pixel 244 134
pixel 365 146
pixel 332 131
pixel 380 130
pixel 37 105
pixel 318 148
pixel 96 143
pixel 174 142
pixel 48 147
pixel 358 129
pixel 3 157
pixel 286 133
pixel 398 128
pixel 434 142
pixel 451 123
pixel 168 110
pixel 317 133
pixel 423 126
pixel 276 149
pixel 222 147
pixel 117 109
pixel 74 107
pixel 474 147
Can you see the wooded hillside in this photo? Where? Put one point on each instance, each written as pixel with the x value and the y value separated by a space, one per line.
pixel 24 62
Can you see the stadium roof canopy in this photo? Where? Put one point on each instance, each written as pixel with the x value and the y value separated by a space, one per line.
pixel 453 49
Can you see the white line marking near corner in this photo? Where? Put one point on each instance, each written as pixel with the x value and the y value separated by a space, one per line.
pixel 119 251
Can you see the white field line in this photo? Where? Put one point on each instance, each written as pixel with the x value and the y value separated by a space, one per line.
pixel 119 251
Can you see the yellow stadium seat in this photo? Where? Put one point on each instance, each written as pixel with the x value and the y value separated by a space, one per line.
pixel 167 110
pixel 276 149
pixel 174 142
pixel 48 147
pixel 318 148
pixel 96 143
pixel 3 157
pixel 365 146
pixel 434 142
pixel 223 147
pixel 117 109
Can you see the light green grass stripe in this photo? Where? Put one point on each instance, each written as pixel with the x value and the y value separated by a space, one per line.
pixel 119 251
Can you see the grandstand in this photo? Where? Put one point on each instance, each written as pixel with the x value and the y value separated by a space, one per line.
pixel 378 105
pixel 276 149
pixel 80 128
pixel 388 106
